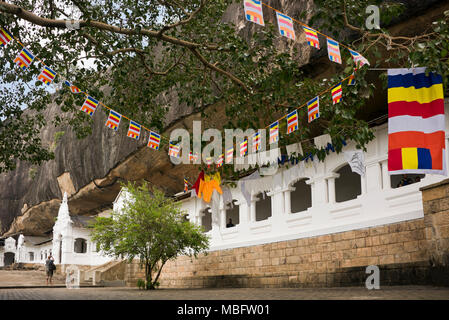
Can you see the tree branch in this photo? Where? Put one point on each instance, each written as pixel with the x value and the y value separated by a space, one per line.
pixel 185 21
pixel 54 23
pixel 209 65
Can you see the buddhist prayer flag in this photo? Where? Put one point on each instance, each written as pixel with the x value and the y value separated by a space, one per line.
pixel 253 11
pixel 416 124
pixel 173 150
pixel 73 88
pixel 24 59
pixel 186 185
pixel 333 50
pixel 89 106
pixel 5 37
pixel 359 60
pixel 244 148
pixel 134 130
pixel 336 93
pixel 292 121
pixel 220 160
pixel 256 141
pixel 351 80
pixel 190 156
pixel 274 132
pixel 312 37
pixel 229 155
pixel 208 161
pixel 154 141
pixel 285 24
pixel 47 75
pixel 313 109
pixel 113 121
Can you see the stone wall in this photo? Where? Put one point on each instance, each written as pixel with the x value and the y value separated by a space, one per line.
pixel 436 220
pixel 409 252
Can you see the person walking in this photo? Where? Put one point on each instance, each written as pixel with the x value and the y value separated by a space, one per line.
pixel 50 268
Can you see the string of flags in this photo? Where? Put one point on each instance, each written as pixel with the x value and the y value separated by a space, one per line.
pixel 25 59
pixel 254 13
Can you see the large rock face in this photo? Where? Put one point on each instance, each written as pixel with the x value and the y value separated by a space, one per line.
pixel 90 170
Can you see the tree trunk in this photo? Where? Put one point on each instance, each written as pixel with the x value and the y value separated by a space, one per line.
pixel 159 271
pixel 149 285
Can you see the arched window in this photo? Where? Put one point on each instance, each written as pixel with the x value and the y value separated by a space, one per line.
pixel 206 220
pixel 232 214
pixel 401 180
pixel 301 197
pixel 80 245
pixel 348 186
pixel 263 207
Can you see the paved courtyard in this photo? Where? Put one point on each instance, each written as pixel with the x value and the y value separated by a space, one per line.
pixel 113 293
pixel 11 281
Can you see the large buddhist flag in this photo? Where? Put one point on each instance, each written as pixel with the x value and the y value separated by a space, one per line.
pixel 253 11
pixel 416 122
pixel 285 24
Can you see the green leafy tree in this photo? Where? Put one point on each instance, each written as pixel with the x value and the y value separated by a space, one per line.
pixel 143 50
pixel 152 228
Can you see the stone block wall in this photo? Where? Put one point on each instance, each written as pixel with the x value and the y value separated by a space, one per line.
pixel 409 252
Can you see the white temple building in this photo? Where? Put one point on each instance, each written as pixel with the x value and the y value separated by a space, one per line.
pixel 69 243
pixel 302 200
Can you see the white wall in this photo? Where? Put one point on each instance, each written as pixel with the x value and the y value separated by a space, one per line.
pixel 377 204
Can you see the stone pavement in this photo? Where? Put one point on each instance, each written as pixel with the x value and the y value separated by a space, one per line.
pixel 27 278
pixel 122 293
pixel 33 280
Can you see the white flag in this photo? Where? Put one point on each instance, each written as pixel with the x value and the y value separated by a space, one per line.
pixel 356 160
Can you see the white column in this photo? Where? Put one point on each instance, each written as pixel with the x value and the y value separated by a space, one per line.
pixel 363 184
pixel 243 213
pixel 319 190
pixel 331 187
pixel 288 200
pixel 311 183
pixel 223 219
pixel 373 177
pixel 277 202
pixel 252 208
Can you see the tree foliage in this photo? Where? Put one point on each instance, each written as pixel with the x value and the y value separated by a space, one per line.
pixel 142 50
pixel 150 227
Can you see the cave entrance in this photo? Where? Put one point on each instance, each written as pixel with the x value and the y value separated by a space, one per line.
pixel 9 258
